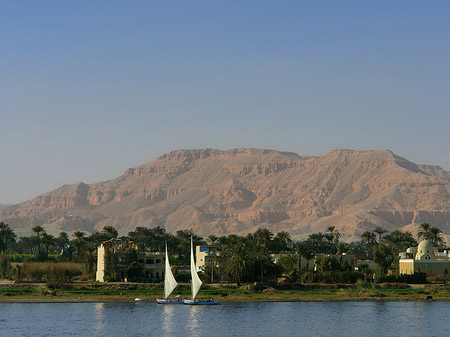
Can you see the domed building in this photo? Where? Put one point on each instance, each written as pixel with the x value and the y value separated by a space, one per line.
pixel 425 251
pixel 425 258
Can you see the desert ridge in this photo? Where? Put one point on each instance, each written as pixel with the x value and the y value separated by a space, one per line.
pixel 240 190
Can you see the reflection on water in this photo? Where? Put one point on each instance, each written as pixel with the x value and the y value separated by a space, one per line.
pixel 168 320
pixel 99 318
pixel 194 316
pixel 229 319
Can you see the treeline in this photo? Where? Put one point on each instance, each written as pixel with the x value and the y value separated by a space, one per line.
pixel 247 258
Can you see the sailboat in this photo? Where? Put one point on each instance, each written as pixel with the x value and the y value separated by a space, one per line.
pixel 169 285
pixel 196 283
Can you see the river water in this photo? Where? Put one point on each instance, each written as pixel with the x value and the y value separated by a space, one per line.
pixel 229 319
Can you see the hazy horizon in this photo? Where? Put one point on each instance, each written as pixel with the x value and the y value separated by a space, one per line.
pixel 91 89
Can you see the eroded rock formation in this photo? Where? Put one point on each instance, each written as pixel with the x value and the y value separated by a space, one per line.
pixel 240 190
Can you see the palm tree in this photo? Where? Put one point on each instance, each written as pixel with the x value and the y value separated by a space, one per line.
pixel 110 232
pixel 368 239
pixel 63 244
pixel 47 241
pixel 399 241
pixel 304 249
pixel 236 256
pixel 143 236
pixel 282 242
pixel 435 236
pixel 88 255
pixel 380 231
pixel 333 234
pixel 38 230
pixel 263 238
pixel 79 242
pixel 24 245
pixel 424 231
pixel 159 235
pixel 212 239
pixel 7 236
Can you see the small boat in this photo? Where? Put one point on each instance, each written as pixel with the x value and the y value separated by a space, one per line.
pixel 169 285
pixel 141 300
pixel 196 283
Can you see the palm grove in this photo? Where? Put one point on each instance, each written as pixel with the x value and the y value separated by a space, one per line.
pixel 42 256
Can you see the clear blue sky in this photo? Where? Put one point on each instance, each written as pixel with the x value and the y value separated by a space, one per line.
pixel 90 88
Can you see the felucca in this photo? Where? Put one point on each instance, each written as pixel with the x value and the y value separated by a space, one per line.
pixel 196 283
pixel 169 285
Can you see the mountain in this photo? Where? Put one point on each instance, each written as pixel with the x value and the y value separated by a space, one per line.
pixel 241 190
pixel 4 205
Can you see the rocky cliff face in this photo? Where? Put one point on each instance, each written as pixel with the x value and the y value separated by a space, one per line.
pixel 240 190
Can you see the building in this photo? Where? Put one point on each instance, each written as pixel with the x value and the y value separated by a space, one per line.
pixel 211 258
pixel 118 255
pixel 425 258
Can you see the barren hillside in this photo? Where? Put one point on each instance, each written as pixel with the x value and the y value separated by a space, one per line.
pixel 240 190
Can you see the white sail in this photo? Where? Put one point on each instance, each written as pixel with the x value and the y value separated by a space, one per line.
pixel 169 281
pixel 196 282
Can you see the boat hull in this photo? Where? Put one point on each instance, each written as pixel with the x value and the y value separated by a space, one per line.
pixel 198 302
pixel 163 301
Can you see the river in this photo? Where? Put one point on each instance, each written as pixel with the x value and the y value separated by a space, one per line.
pixel 229 319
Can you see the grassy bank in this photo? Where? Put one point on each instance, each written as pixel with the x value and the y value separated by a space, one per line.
pixel 128 292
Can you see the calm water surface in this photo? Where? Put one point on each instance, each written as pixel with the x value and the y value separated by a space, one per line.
pixel 230 319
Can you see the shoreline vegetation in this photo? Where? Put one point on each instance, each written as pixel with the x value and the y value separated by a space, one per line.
pixel 127 292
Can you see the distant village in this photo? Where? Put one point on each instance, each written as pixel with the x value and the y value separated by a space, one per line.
pixel 258 258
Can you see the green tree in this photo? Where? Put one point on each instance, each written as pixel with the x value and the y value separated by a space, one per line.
pixel 384 257
pixel 332 234
pixel 135 272
pixel 212 240
pixel 5 267
pixel 236 257
pixel 143 236
pixel 38 231
pixel 321 244
pixel 368 239
pixel 7 236
pixel 159 238
pixel 399 241
pixel 63 246
pixel 306 250
pixel 282 242
pixel 380 231
pixel 47 240
pixel 424 231
pixel 24 245
pixel 78 242
pixel 110 232
pixel 88 255
pixel 436 236
pixel 328 263
pixel 259 245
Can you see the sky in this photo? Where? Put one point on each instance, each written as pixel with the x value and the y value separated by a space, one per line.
pixel 91 88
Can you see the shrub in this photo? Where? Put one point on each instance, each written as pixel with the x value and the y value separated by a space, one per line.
pixel 135 272
pixel 183 277
pixel 59 273
pixel 5 267
pixel 417 278
pixel 328 263
pixel 33 271
pixel 108 278
pixel 53 272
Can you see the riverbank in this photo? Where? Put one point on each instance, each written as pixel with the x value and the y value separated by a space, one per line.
pixel 128 292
